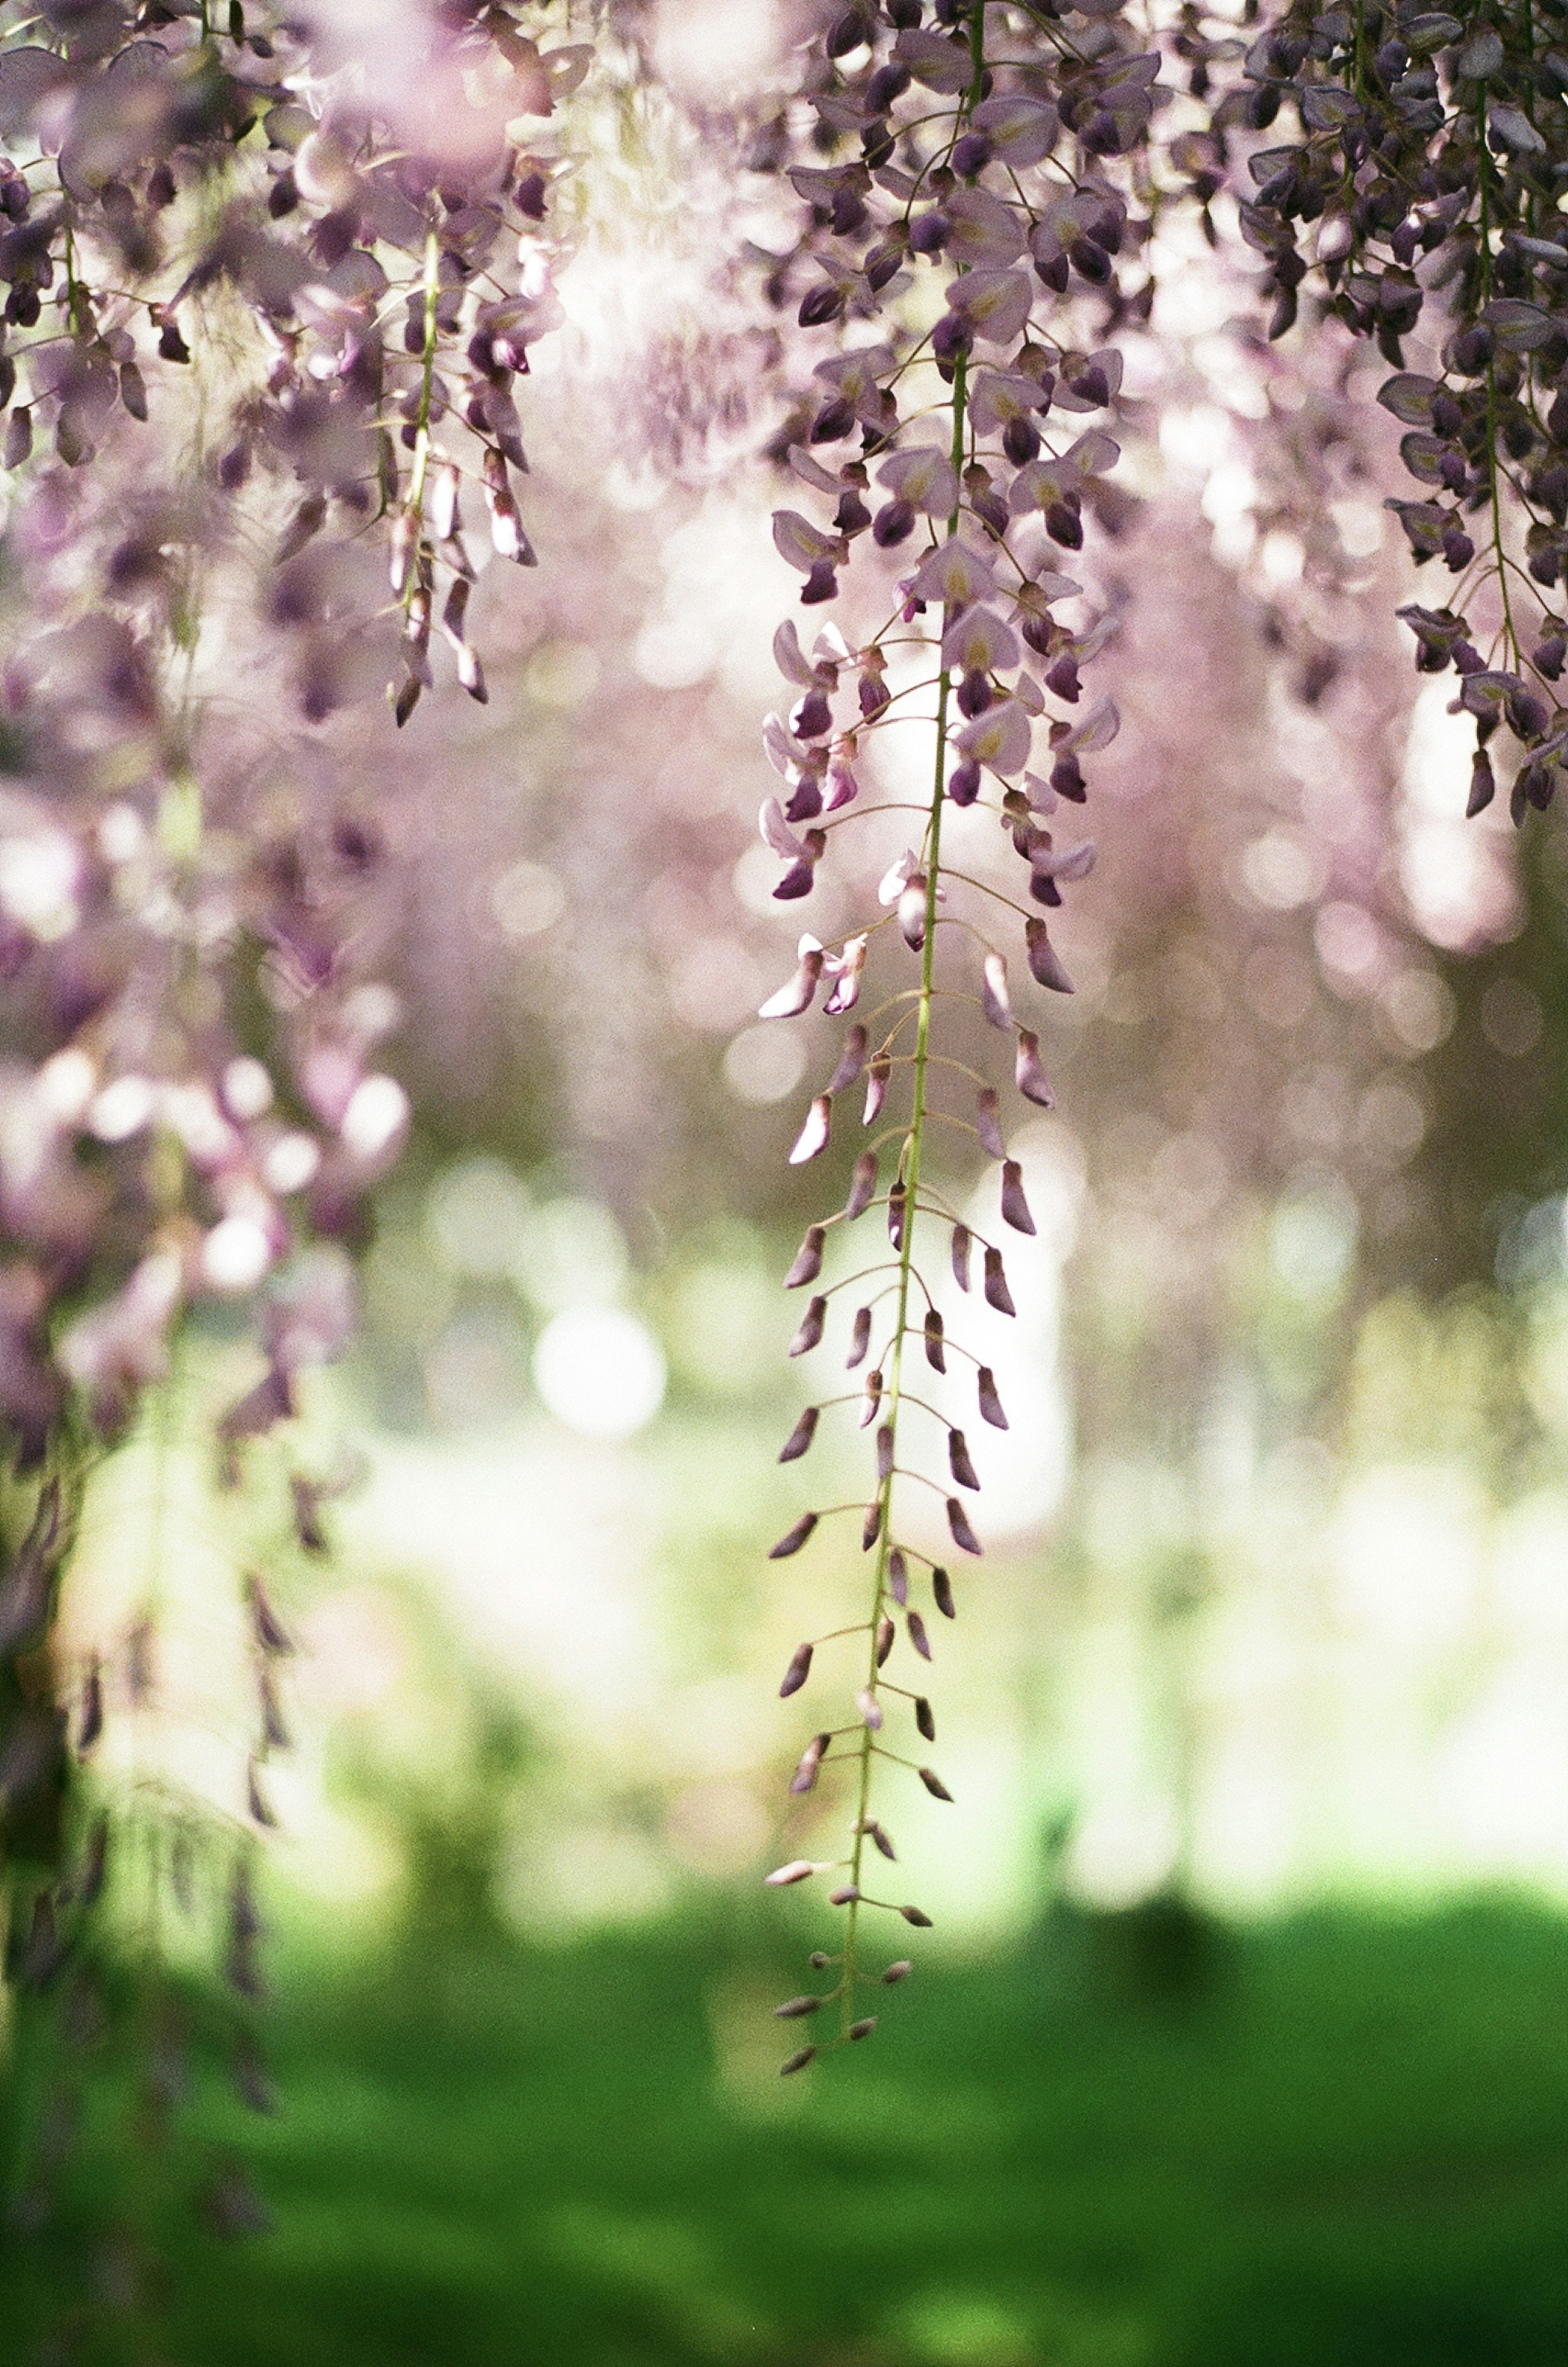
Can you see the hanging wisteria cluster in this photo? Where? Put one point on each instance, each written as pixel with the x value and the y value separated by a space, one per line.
pixel 269 301
pixel 993 198
pixel 1403 167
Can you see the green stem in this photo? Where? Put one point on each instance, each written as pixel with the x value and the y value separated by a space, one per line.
pixel 914 1141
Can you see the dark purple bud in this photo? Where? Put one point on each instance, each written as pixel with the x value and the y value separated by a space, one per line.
pixel 851 516
pixel 871 1400
pixel 19 435
pixel 1021 440
pixel 810 1331
pixel 985 1123
pixel 951 337
pixel 899 1576
pixel 1052 270
pixel 256 1801
pixel 874 694
pixel 871 1527
pixel 172 346
pixel 917 1638
pixel 832 423
pixel 916 1916
pixel 793 1539
pixel 808 1260
pixel 794 1676
pixel 799 880
pixel 879 1840
pixel 1067 780
pixel 1550 655
pixel 1089 260
pixel 894 523
pixel 820 585
pixel 92 1724
pixel 958 1522
pixel 973 697
pixel 822 304
pixel 862 1186
pixel 797 2062
pixel 1483 784
pixel 933 1783
pixel 876 1089
pixel 888 82
pixel 898 1972
pixel 847 32
pixel 1063 678
pixel 1015 1208
pixel 809 1763
pixel 941 1593
pixel 800 1437
pixel 929 232
pixel 864 2028
pixel 1526 716
pixel 961 1256
pixel 845 1895
pixel 936 1351
pixel 958 1461
pixel 797 2008
pixel 811 718
pixel 1471 351
pixel 885 1631
pixel 820 1960
pixel 1028 1075
pixel 1458 550
pixel 963 783
pixel 1064 526
pixel 997 1292
pixel 897 1202
pixel 885 1451
pixel 860 1340
pixel 990 1404
pixel 924 1719
pixel 972 152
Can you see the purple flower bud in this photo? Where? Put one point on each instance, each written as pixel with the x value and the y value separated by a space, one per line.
pixel 871 1527
pixel 824 303
pixel 863 1187
pixel 994 998
pixel 964 784
pixel 972 152
pixel 797 2062
pixel 1458 550
pixel 1483 784
pixel 864 2028
pixel 916 1915
pixel 961 1256
pixel 799 880
pixel 933 1783
pixel 941 1593
pixel 1062 677
pixel 860 1337
pixel 929 232
pixel 1549 656
pixel 809 1259
pixel 997 1292
pixel 898 1972
pixel 874 694
pixel 958 1522
pixel 888 82
pixel 813 1138
pixel 809 1763
pixel 924 1719
pixel 822 583
pixel 1028 1075
pixel 872 1401
pixel 1064 526
pixel 936 1348
pixel 806 800
pixel 256 1799
pixel 851 516
pixel 800 1437
pixel 793 1539
pixel 1015 1208
pixel 879 1840
pixel 894 523
pixel 1021 440
pixel 885 1451
pixel 986 1124
pixel 845 1895
pixel 917 1638
pixel 990 1404
pixel 958 1461
pixel 794 1676
pixel 797 2008
pixel 851 1060
pixel 950 337
pixel 876 1089
pixel 810 1331
pixel 833 422
pixel 912 913
pixel 1067 780
pixel 811 718
pixel 974 694
pixel 92 1724
pixel 799 1869
pixel 899 1576
pixel 897 1202
pixel 796 996
pixel 885 1631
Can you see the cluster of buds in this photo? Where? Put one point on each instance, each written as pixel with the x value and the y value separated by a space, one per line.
pixel 1422 174
pixel 962 464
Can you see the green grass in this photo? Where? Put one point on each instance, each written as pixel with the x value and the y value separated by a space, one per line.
pixel 1344 2143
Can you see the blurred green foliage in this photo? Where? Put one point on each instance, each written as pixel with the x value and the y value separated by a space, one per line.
pixel 1340 2140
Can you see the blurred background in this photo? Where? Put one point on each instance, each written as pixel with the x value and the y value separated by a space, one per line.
pixel 1242 2035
